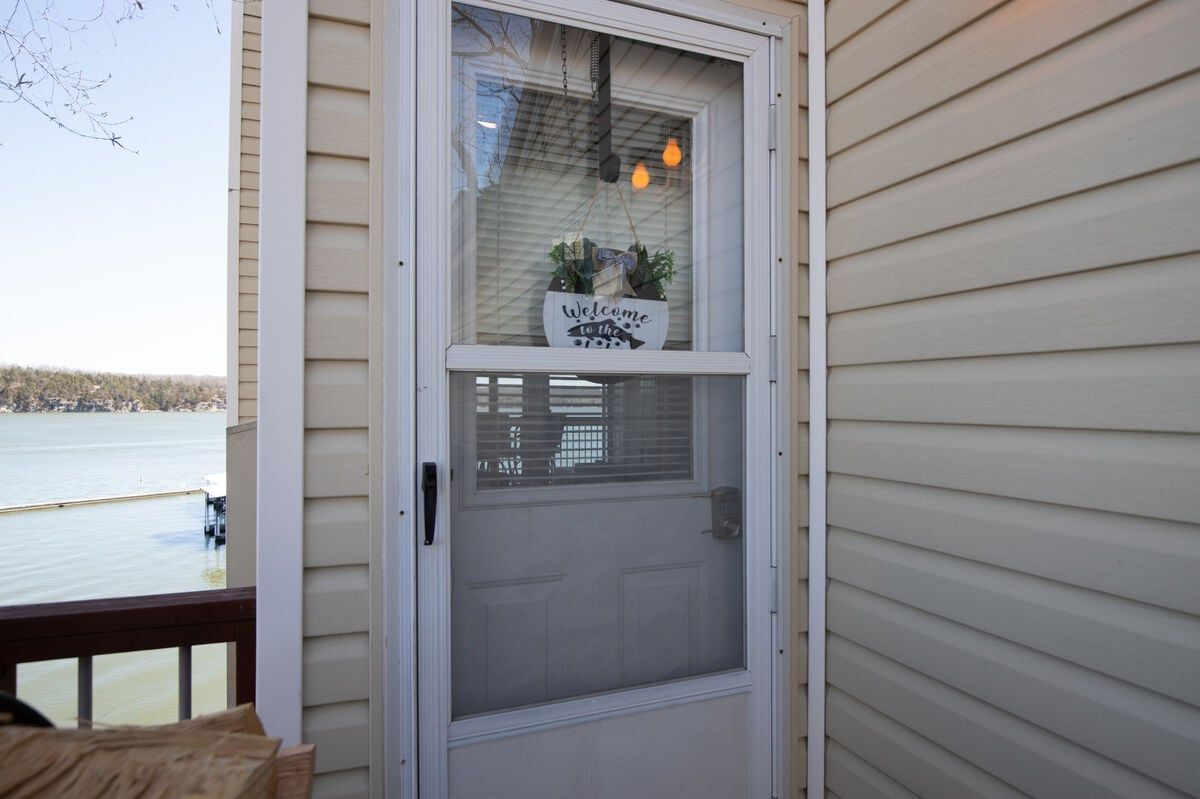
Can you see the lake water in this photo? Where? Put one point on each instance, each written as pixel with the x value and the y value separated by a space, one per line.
pixel 127 548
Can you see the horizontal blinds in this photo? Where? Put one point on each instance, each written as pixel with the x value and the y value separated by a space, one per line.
pixel 531 181
pixel 557 430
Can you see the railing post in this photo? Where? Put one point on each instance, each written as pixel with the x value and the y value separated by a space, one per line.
pixel 244 663
pixel 185 683
pixel 85 628
pixel 84 692
pixel 8 678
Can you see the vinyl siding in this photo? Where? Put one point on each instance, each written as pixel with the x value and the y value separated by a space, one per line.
pixel 797 592
pixel 247 213
pixel 1014 543
pixel 338 677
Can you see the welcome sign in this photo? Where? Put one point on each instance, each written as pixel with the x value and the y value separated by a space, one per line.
pixel 598 322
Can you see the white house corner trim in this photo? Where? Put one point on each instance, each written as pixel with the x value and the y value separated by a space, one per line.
pixel 281 370
pixel 818 379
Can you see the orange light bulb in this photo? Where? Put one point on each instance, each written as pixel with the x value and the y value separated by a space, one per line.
pixel 640 177
pixel 672 155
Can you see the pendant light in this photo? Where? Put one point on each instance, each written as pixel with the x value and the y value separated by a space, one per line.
pixel 671 154
pixel 640 177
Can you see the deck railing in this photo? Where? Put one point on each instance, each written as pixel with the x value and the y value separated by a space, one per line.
pixel 84 629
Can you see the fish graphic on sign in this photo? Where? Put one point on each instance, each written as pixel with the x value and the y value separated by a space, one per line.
pixel 605 335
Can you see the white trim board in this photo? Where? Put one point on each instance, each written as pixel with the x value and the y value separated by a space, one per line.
pixel 728 15
pixel 281 370
pixel 399 400
pixel 690 31
pixel 818 380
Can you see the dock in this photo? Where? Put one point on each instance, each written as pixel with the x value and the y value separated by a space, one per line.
pixel 214 507
pixel 67 503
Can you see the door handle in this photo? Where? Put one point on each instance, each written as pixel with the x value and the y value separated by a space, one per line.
pixel 429 487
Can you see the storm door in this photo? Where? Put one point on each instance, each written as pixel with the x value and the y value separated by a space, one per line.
pixel 593 416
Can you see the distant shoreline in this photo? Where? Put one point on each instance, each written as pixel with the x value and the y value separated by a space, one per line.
pixel 10 412
pixel 26 389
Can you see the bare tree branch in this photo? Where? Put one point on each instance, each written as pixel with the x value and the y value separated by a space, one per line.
pixel 37 41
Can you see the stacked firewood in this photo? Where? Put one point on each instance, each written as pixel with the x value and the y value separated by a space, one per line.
pixel 216 756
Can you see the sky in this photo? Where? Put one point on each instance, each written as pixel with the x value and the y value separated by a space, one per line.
pixel 115 261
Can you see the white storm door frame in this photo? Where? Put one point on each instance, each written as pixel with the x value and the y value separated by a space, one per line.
pixel 437 357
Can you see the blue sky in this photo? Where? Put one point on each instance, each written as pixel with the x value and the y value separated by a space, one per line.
pixel 111 260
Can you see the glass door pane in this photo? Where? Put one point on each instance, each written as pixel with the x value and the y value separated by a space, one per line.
pixel 596 187
pixel 596 534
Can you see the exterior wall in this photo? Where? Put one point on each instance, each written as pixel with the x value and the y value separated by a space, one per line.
pixel 1015 365
pixel 245 367
pixel 240 508
pixel 337 650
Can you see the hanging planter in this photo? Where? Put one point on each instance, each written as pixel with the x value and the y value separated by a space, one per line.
pixel 600 298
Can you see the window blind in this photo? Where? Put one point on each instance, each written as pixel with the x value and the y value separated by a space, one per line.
pixel 563 430
pixel 530 181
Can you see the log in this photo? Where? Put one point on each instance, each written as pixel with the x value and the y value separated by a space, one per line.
pixel 241 719
pixel 149 763
pixel 294 772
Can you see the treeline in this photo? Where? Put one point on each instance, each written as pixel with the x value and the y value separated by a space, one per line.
pixel 30 390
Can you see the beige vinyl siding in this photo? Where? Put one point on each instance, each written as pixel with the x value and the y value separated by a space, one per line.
pixel 338 627
pixel 1014 398
pixel 797 593
pixel 247 254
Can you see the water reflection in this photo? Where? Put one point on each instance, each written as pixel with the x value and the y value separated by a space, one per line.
pixel 113 549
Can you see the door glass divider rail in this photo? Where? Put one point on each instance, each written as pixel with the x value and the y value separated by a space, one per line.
pixel 497 358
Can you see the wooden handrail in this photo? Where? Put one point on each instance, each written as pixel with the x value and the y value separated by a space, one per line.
pixel 83 629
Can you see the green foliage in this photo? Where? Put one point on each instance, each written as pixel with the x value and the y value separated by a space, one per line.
pixel 573 271
pixel 654 272
pixel 24 389
pixel 576 269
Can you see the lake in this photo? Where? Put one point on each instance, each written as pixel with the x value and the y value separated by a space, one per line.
pixel 126 548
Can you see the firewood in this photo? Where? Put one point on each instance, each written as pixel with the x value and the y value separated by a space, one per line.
pixel 294 772
pixel 148 763
pixel 241 719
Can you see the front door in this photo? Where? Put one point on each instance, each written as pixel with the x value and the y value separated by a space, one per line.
pixel 593 419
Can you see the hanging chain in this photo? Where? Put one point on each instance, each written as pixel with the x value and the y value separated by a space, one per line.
pixel 594 77
pixel 594 64
pixel 562 38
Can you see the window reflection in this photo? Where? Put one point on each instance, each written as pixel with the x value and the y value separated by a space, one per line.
pixel 528 134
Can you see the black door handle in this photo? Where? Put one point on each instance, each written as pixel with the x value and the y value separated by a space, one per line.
pixel 429 487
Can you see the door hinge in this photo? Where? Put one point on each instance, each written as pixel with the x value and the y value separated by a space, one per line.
pixel 774 590
pixel 772 125
pixel 773 359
